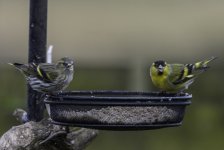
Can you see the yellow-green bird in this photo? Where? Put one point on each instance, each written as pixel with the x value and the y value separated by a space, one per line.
pixel 176 77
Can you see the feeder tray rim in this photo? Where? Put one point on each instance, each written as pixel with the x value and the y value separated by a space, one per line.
pixel 96 93
pixel 124 103
pixel 117 98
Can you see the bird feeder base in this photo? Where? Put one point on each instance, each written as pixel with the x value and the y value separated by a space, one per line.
pixel 119 127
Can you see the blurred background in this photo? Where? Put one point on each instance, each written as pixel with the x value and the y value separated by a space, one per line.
pixel 114 43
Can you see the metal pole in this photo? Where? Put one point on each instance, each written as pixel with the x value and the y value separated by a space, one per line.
pixel 37 52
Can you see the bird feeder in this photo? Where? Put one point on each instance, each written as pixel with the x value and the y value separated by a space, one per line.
pixel 118 110
pixel 112 110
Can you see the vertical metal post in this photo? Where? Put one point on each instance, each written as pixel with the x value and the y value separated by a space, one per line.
pixel 37 52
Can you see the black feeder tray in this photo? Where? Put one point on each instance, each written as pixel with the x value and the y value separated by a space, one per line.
pixel 118 110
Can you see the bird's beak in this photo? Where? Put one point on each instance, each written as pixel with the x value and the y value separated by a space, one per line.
pixel 160 68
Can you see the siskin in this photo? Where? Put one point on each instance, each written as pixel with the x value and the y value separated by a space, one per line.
pixel 48 77
pixel 176 77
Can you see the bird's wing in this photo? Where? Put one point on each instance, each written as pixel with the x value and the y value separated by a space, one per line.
pixel 176 72
pixel 48 72
pixel 179 74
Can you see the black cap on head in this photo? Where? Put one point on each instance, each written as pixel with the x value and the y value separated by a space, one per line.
pixel 159 62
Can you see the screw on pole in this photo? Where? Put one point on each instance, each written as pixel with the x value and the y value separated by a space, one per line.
pixel 37 53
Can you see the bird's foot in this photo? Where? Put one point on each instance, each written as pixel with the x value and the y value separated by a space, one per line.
pixel 161 93
pixel 180 93
pixel 44 96
pixel 59 95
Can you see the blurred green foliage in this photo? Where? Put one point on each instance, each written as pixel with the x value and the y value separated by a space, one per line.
pixel 203 125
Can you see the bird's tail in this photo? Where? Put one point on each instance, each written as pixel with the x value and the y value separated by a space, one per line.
pixel 17 65
pixel 21 67
pixel 203 65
